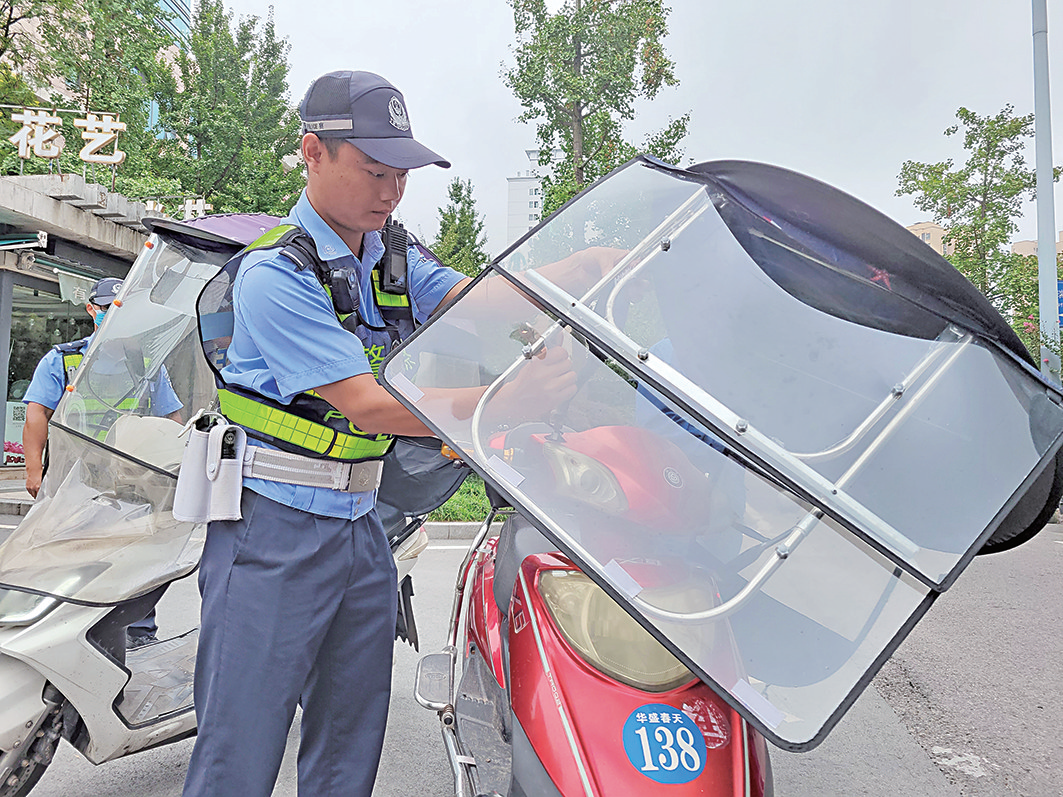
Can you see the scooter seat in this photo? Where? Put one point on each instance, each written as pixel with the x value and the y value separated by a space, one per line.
pixel 518 540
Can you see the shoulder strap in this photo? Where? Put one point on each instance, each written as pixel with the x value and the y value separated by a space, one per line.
pixel 73 347
pixel 389 275
pixel 297 245
pixel 72 357
pixel 294 243
pixel 280 235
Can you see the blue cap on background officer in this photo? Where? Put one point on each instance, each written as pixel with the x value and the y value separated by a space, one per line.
pixel 101 295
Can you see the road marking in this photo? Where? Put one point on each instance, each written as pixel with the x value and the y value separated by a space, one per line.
pixel 438 547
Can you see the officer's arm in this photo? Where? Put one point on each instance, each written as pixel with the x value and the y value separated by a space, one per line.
pixel 546 382
pixel 34 438
pixel 371 408
pixel 452 294
pixel 576 274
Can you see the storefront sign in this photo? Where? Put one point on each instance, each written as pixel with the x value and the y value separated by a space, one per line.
pixel 37 134
pixel 74 289
pixel 16 419
pixel 194 208
pixel 101 131
pixel 39 138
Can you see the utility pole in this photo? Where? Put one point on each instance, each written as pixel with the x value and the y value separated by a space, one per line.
pixel 1048 292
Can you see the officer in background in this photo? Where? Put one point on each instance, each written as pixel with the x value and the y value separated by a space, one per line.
pixel 50 378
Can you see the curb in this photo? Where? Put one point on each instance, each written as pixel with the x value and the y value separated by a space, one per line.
pixel 15 507
pixel 451 531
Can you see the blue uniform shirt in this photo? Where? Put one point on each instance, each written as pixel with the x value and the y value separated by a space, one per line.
pixel 49 379
pixel 49 383
pixel 287 339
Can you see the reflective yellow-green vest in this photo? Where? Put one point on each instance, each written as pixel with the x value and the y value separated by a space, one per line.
pixel 98 415
pixel 307 425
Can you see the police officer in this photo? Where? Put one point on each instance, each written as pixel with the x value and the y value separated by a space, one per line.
pixel 299 595
pixel 50 379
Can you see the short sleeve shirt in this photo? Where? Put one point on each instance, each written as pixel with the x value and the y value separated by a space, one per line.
pixel 49 382
pixel 49 379
pixel 287 338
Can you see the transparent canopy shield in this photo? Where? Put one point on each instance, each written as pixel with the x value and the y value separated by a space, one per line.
pixel 102 529
pixel 774 490
pixel 101 534
pixel 146 360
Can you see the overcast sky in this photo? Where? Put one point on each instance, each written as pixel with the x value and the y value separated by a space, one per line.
pixel 841 90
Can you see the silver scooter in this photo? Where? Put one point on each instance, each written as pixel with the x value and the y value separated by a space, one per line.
pixel 100 546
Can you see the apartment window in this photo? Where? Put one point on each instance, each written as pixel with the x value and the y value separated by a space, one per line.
pixel 926 237
pixel 533 217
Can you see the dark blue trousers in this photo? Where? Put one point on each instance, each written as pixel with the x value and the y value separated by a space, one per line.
pixel 147 625
pixel 297 609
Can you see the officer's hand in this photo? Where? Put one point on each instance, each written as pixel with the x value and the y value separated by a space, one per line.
pixel 541 385
pixel 582 270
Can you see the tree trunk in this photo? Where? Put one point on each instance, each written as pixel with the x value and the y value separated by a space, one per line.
pixel 577 112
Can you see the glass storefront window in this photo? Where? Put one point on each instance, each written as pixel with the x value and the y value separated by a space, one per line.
pixel 39 320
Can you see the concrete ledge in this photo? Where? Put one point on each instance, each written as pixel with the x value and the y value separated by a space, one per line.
pixel 9 507
pixel 451 531
pixel 30 199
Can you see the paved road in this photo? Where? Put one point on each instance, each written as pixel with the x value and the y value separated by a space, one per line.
pixel 978 681
pixel 967 707
pixel 974 690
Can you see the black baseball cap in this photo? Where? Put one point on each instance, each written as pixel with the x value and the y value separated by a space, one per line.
pixel 104 291
pixel 366 110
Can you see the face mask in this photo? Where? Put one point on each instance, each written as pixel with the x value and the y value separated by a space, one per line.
pixel 99 316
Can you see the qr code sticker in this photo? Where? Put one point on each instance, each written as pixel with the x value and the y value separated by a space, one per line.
pixel 18 413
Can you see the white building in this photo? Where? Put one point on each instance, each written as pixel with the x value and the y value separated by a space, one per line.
pixel 933 235
pixel 525 198
pixel 1029 248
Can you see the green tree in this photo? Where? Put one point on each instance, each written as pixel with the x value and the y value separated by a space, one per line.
pixel 107 53
pixel 578 74
pixel 978 204
pixel 460 241
pixel 16 17
pixel 227 115
pixel 13 91
pixel 1024 284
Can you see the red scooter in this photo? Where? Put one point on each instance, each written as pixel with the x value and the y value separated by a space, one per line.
pixel 560 691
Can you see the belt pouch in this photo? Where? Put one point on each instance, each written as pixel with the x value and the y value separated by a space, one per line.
pixel 225 460
pixel 191 500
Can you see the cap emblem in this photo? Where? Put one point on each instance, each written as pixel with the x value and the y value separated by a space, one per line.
pixel 399 120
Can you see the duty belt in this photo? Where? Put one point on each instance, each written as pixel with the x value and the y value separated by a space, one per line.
pixel 282 466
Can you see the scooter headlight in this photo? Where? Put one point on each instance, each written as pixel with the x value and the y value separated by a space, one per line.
pixel 583 478
pixel 606 637
pixel 23 608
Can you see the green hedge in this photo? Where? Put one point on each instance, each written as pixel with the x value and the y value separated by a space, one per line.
pixel 467 505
